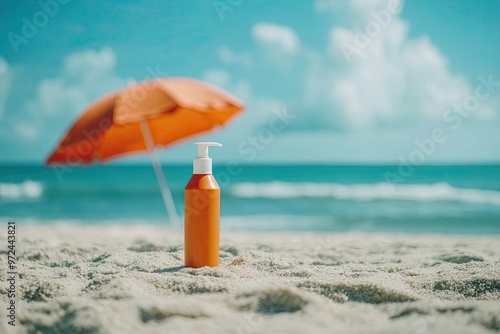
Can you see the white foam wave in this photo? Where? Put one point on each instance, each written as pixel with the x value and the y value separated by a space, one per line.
pixel 27 189
pixel 366 192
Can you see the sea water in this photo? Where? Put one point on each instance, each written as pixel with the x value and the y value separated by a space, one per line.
pixel 430 199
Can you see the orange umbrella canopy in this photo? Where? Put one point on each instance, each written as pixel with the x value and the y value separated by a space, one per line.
pixel 174 109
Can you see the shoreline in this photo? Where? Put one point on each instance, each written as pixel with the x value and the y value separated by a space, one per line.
pixel 62 225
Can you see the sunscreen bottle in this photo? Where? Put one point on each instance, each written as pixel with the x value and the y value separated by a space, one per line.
pixel 202 213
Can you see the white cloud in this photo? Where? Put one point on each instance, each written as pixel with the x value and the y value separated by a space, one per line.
pixel 222 79
pixel 228 56
pixel 84 77
pixel 262 108
pixel 5 84
pixel 383 79
pixel 219 78
pixel 277 39
pixel 27 131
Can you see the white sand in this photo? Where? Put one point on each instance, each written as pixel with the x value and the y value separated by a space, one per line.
pixel 76 279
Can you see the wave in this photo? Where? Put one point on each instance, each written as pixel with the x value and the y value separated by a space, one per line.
pixel 366 192
pixel 285 190
pixel 27 189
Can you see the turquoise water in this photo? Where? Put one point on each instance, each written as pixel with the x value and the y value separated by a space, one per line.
pixel 444 199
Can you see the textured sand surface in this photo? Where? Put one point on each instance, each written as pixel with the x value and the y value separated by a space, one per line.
pixel 75 279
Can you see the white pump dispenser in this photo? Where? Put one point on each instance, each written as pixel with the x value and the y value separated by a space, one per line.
pixel 203 164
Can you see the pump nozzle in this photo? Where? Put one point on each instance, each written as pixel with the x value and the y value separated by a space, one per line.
pixel 203 148
pixel 203 164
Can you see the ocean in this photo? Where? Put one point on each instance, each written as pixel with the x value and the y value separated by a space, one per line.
pixel 433 199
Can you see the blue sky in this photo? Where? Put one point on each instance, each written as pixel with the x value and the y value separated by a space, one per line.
pixel 416 82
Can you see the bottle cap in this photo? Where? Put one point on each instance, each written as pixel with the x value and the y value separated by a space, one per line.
pixel 203 164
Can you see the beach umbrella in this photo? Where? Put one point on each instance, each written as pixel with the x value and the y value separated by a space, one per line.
pixel 143 117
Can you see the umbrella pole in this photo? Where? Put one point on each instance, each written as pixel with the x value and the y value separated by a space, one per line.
pixel 165 190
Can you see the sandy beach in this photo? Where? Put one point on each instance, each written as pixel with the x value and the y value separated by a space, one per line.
pixel 102 279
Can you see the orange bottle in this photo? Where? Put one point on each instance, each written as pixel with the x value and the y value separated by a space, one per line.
pixel 202 213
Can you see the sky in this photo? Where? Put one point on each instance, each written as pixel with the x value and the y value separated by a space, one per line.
pixel 323 81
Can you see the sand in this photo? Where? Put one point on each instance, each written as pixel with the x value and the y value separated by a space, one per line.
pixel 102 279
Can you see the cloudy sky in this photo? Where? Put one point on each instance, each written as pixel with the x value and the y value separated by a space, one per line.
pixel 360 81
